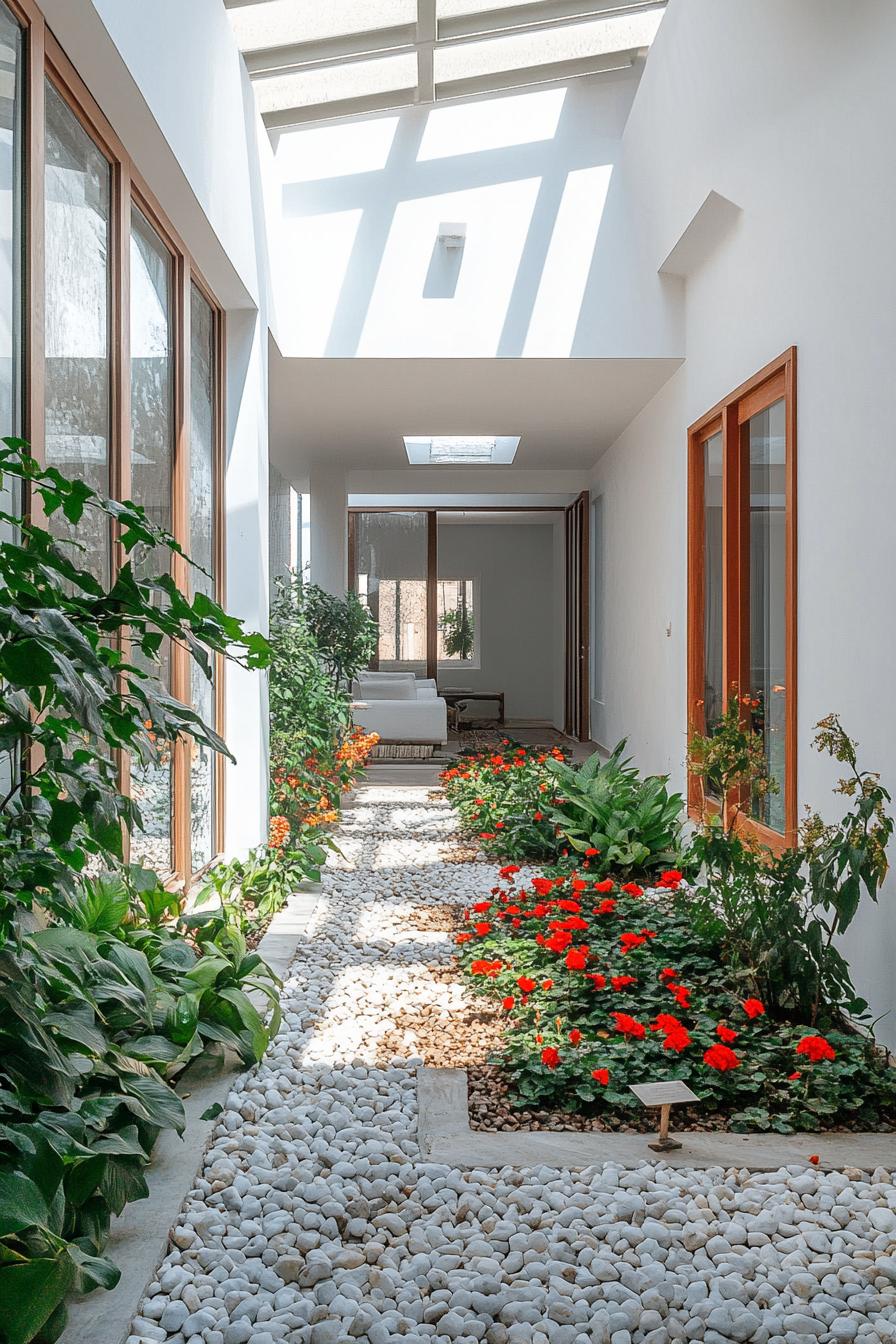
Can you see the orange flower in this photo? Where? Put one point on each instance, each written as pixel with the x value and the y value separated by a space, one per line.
pixel 278 833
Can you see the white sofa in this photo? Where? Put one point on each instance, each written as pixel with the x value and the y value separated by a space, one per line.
pixel 400 707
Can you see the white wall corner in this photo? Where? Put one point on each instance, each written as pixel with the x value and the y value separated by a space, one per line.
pixel 711 223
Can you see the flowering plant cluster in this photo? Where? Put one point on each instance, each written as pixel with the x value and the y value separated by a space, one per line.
pixel 605 985
pixel 505 798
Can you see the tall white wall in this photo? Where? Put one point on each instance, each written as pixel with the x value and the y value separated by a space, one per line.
pixel 786 110
pixel 170 79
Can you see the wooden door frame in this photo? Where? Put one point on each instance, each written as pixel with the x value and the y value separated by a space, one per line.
pixel 775 381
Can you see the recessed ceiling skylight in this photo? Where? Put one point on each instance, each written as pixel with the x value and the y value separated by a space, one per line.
pixel 461 450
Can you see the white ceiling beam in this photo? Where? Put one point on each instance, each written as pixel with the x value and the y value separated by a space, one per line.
pixel 528 18
pixel 426 39
pixel 330 50
pixel 556 72
pixel 337 110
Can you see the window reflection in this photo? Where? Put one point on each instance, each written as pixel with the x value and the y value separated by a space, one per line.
pixel 152 429
pixel 713 680
pixel 766 433
pixel 202 551
pixel 77 299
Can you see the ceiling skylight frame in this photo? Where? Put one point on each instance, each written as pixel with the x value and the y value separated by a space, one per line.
pixel 430 35
pixel 461 450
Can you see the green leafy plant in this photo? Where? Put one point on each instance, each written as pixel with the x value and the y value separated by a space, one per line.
pixel 606 805
pixel 779 916
pixel 459 632
pixel 730 762
pixel 247 892
pixel 343 631
pixel 101 998
pixel 502 797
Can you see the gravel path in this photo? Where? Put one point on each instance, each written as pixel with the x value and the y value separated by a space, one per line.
pixel 314 1219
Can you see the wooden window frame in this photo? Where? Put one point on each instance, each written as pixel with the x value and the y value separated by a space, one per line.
pixel 776 381
pixel 44 59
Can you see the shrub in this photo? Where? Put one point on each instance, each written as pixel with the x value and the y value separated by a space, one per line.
pixel 503 797
pixel 634 823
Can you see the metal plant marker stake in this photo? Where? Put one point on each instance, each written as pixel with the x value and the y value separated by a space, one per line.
pixel 664 1095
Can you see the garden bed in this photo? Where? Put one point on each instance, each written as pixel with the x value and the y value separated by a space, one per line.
pixel 603 983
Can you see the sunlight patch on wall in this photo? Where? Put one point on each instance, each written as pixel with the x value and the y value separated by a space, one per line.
pixel 320 248
pixel 498 123
pixel 403 320
pixel 341 150
pixel 561 289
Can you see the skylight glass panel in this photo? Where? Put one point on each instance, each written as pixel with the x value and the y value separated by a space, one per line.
pixel 462 450
pixel 460 9
pixel 570 42
pixel 332 84
pixel 280 23
pixel 443 450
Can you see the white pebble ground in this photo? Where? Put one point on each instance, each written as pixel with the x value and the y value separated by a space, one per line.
pixel 314 1218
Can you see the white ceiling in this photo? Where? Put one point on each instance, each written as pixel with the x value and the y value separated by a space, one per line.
pixel 354 412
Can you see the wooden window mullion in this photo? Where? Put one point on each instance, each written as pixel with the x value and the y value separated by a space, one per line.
pixel 432 614
pixel 180 659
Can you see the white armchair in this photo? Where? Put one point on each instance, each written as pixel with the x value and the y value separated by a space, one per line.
pixel 400 707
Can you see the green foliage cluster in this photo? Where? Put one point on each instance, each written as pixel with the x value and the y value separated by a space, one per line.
pixel 102 996
pixel 780 915
pixel 634 822
pixel 531 803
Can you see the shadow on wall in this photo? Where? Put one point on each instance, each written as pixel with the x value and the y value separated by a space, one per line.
pixel 531 177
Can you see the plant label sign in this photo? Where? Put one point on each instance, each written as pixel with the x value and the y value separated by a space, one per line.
pixel 662 1094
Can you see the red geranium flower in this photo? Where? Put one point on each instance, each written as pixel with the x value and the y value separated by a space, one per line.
pixel 525 984
pixel 666 1022
pixel 550 1057
pixel 816 1048
pixel 558 941
pixel 601 1076
pixel 537 816
pixel 482 929
pixel 667 973
pixel 628 941
pixel 486 835
pixel 677 1040
pixel 575 1036
pixel 606 885
pixel 590 852
pixel 547 984
pixel 542 885
pixel 753 1008
pixel 721 1058
pixel 487 968
pixel 681 994
pixel 622 981
pixel 606 907
pixel 632 889
pixel 508 870
pixel 576 959
pixel 463 937
pixel 792 1077
pixel 508 1003
pixel 725 1033
pixel 481 906
pixel 627 1026
pixel 599 981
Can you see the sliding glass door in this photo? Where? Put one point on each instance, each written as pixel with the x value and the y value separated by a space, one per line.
pixel 391 557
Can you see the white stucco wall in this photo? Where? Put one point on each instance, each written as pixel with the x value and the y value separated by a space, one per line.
pixel 170 80
pixel 787 111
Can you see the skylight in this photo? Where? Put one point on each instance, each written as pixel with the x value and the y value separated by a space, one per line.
pixel 316 60
pixel 461 450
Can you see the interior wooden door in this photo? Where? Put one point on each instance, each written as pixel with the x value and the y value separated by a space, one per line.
pixel 577 698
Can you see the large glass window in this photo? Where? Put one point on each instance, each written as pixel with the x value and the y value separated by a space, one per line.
pixel 742 568
pixel 10 275
pixel 78 285
pixel 152 455
pixel 767 446
pixel 202 552
pixel 391 563
pixel 458 619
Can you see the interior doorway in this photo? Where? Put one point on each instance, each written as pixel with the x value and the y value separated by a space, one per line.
pixel 484 600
